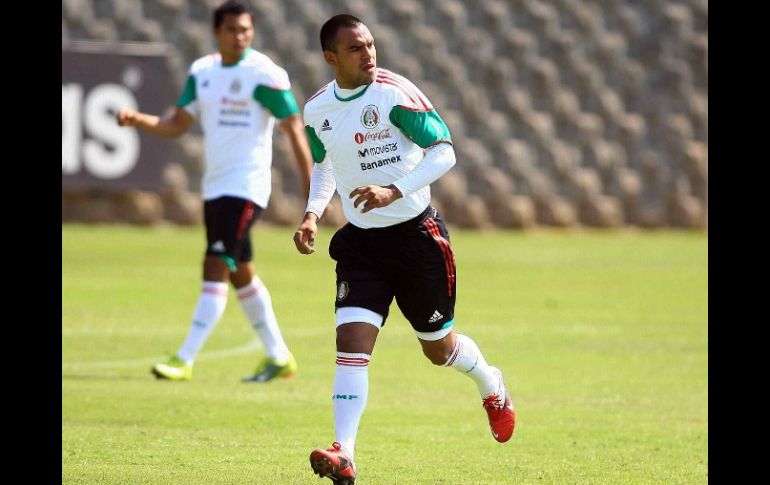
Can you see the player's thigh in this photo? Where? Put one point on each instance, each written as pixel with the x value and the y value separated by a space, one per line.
pixel 228 221
pixel 427 280
pixel 425 300
pixel 361 281
pixel 244 243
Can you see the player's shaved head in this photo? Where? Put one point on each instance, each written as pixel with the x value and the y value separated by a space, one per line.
pixel 332 26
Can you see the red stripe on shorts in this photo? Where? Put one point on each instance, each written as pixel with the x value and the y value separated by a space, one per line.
pixel 446 250
pixel 248 211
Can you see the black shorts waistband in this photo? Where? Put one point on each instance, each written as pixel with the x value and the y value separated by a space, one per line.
pixel 401 226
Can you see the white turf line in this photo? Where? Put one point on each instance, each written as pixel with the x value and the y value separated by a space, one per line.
pixel 219 354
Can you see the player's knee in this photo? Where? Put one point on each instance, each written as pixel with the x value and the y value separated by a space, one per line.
pixel 346 341
pixel 437 356
pixel 214 269
pixel 356 337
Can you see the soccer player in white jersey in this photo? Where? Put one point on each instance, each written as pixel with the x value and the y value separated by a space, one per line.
pixel 377 139
pixel 236 94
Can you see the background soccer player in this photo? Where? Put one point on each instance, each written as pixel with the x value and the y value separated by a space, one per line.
pixel 376 138
pixel 236 94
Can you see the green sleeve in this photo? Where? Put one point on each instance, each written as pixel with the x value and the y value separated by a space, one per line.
pixel 316 145
pixel 188 93
pixel 425 128
pixel 280 102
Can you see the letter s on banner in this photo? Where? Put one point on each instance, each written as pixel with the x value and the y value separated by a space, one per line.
pixel 102 103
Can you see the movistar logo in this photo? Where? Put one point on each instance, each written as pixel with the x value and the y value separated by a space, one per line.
pixel 378 150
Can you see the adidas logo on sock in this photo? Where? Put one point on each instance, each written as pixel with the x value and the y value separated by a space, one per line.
pixel 435 317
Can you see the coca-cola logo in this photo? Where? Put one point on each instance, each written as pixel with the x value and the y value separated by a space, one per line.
pixel 369 136
pixel 236 102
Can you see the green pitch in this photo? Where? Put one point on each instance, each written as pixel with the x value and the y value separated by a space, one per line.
pixel 602 337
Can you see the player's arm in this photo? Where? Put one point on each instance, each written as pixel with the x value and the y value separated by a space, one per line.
pixel 292 126
pixel 322 187
pixel 428 130
pixel 171 125
pixel 438 160
pixel 281 104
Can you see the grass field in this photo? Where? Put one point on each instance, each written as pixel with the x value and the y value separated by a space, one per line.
pixel 602 337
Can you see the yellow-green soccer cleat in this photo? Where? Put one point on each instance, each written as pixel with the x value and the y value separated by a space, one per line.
pixel 175 370
pixel 270 368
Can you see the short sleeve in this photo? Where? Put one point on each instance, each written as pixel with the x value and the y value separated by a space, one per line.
pixel 280 102
pixel 188 92
pixel 425 128
pixel 316 145
pixel 413 113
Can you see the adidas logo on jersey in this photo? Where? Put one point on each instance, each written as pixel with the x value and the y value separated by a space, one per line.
pixel 326 126
pixel 435 317
pixel 218 246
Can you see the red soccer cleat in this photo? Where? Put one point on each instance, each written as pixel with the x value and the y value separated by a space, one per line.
pixel 502 417
pixel 334 464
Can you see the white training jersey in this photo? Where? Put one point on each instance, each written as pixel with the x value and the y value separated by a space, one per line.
pixel 236 106
pixel 375 136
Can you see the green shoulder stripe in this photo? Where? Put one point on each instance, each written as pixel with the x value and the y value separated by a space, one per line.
pixel 280 102
pixel 422 127
pixel 188 93
pixel 316 145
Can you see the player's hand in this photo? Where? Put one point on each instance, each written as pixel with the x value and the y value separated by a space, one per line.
pixel 374 196
pixel 304 238
pixel 127 117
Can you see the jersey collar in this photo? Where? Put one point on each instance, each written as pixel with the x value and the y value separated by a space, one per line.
pixel 245 53
pixel 351 94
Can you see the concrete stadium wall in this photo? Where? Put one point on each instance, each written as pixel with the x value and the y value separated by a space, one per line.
pixel 563 112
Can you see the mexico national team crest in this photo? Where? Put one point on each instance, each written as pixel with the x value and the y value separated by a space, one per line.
pixel 342 290
pixel 370 116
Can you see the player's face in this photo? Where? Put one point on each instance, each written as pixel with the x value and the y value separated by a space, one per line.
pixel 355 61
pixel 234 36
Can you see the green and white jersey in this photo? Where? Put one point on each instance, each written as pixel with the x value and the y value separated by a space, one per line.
pixel 375 136
pixel 237 105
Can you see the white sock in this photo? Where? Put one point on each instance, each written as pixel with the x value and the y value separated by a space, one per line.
pixel 351 390
pixel 467 359
pixel 211 305
pixel 258 306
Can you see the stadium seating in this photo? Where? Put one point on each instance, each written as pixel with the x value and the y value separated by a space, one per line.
pixel 563 112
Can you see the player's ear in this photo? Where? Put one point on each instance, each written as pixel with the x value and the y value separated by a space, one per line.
pixel 330 58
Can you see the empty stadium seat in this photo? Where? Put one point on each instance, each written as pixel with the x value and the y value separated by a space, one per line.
pixel 535 92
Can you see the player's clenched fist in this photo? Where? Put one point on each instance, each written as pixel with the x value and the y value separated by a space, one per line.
pixel 127 117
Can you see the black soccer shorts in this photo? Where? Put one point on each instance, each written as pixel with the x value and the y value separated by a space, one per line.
pixel 228 221
pixel 411 261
